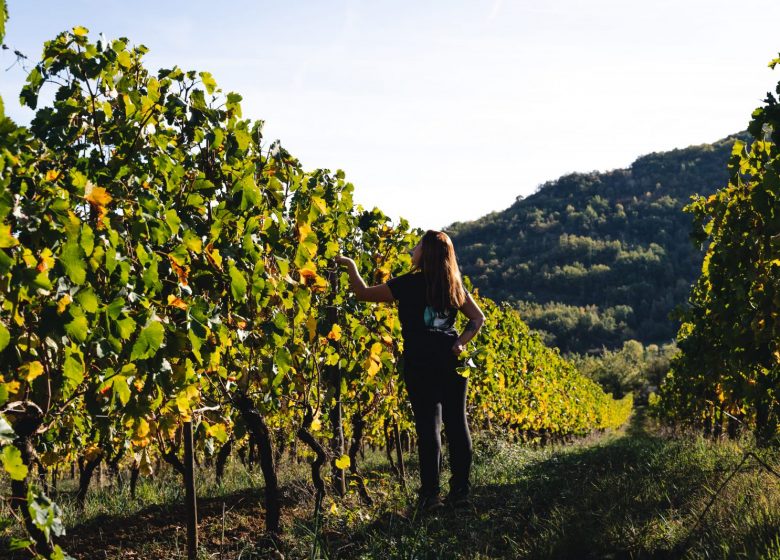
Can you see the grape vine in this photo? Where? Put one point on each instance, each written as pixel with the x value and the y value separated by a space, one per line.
pixel 161 267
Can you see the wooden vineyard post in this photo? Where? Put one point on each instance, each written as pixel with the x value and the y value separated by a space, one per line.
pixel 191 500
pixel 400 454
pixel 334 375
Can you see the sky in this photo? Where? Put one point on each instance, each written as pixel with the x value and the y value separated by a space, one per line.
pixel 444 111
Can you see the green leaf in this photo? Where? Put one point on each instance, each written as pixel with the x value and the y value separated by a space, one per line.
pixel 242 139
pixel 283 359
pixel 218 432
pixel 59 554
pixel 74 265
pixel 125 327
pixel 208 82
pixel 124 59
pixel 87 239
pixel 45 514
pixel 7 434
pixel 73 370
pixel 196 343
pixel 173 221
pixel 5 337
pixel 151 275
pixel 121 389
pixel 149 341
pixel 12 463
pixel 3 18
pixel 80 31
pixel 88 300
pixel 280 321
pixel 114 309
pixel 78 329
pixel 237 284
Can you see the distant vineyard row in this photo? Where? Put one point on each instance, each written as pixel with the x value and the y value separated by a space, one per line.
pixel 726 377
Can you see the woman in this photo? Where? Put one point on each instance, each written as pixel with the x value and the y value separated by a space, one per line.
pixel 429 298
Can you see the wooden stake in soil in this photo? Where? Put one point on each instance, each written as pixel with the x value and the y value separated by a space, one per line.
pixel 191 504
pixel 400 453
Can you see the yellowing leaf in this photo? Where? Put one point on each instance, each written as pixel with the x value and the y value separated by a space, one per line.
pixel 303 231
pixel 213 256
pixel 97 196
pixel 31 371
pixel 47 260
pixel 177 302
pixel 49 458
pixel 181 271
pixel 80 31
pixel 52 175
pixel 316 425
pixel 63 303
pixel 343 462
pixel 335 333
pixel 218 432
pixel 311 327
pixel 6 239
pixel 92 452
pixel 145 465
pixel 141 428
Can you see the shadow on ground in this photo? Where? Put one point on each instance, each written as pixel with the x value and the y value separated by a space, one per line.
pixel 630 496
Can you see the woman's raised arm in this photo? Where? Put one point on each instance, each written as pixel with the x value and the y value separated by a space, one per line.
pixel 379 293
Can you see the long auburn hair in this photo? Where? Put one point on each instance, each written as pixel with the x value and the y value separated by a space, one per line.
pixel 444 287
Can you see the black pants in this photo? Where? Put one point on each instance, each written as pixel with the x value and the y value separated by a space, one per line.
pixel 436 391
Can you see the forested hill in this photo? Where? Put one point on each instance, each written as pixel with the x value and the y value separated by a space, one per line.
pixel 594 259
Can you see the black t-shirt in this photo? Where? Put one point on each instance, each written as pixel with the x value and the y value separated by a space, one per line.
pixel 428 335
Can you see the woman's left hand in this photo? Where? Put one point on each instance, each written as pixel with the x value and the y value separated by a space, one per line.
pixel 458 348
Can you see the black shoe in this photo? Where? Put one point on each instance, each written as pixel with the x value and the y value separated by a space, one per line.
pixel 458 498
pixel 429 504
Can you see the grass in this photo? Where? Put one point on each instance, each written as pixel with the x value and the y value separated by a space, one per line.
pixel 638 493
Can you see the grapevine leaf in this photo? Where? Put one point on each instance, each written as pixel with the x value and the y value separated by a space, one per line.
pixel 6 239
pixel 343 462
pixel 74 265
pixel 208 82
pixel 237 284
pixel 121 389
pixel 283 359
pixel 126 327
pixel 78 328
pixel 149 341
pixel 88 300
pixel 12 463
pixel 5 337
pixel 7 434
pixel 32 371
pixel 73 370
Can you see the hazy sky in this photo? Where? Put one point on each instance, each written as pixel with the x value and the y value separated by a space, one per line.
pixel 446 110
